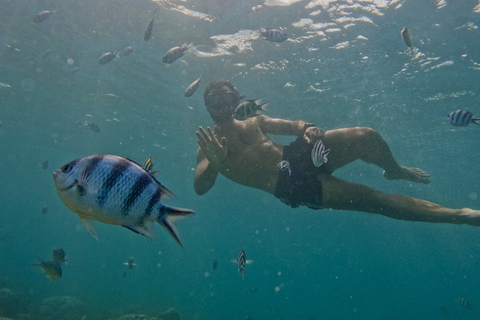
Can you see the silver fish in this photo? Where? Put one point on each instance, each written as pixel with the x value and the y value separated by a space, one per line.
pixel 107 57
pixel 51 269
pixel 462 118
pixel 407 37
pixel 127 51
pixel 248 109
pixel 176 52
pixel 148 30
pixel 319 154
pixel 193 87
pixel 275 35
pixel 58 256
pixel 42 16
pixel 241 262
pixel 117 191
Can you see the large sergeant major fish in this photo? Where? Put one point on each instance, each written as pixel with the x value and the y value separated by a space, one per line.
pixel 118 191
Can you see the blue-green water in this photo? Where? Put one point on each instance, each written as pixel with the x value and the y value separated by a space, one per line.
pixel 345 64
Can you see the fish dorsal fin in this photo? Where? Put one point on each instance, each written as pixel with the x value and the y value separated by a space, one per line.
pixel 88 224
pixel 165 194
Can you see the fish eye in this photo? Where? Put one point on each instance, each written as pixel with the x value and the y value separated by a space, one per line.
pixel 66 168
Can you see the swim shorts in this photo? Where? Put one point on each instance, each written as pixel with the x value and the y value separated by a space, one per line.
pixel 298 184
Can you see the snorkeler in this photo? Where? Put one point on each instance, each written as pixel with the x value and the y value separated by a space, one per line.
pixel 242 152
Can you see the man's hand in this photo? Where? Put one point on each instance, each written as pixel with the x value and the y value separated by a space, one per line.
pixel 313 134
pixel 215 151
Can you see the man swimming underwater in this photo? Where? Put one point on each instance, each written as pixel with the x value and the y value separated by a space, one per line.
pixel 242 152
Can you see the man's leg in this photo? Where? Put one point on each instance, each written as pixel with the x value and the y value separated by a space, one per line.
pixel 350 144
pixel 344 195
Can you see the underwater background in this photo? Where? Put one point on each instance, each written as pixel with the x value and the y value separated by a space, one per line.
pixel 344 64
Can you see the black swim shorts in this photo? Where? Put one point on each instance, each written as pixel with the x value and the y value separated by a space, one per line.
pixel 298 184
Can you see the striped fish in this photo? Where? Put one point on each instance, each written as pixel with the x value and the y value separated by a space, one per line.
pixel 464 303
pixel 319 154
pixel 118 191
pixel 59 256
pixel 274 35
pixel 461 118
pixel 241 262
pixel 248 109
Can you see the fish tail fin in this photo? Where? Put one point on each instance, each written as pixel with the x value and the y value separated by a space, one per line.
pixel 263 107
pixel 167 217
pixel 475 120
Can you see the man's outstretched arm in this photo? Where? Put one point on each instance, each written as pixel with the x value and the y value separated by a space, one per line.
pixel 291 128
pixel 205 174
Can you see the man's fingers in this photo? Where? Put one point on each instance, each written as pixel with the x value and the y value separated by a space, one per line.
pixel 224 142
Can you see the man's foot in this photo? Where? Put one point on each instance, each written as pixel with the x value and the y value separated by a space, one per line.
pixel 411 174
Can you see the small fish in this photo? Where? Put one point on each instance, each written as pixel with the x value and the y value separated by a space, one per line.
pixel 319 154
pixel 148 30
pixel 193 87
pixel 148 166
pixel 58 256
pixel 461 118
pixel 115 190
pixel 44 210
pixel 464 303
pixel 407 37
pixel 130 263
pixel 107 57
pixel 215 265
pixel 248 109
pixel 176 52
pixel 241 262
pixel 42 16
pixel 13 46
pixel 93 126
pixel 51 269
pixel 127 51
pixel 44 164
pixel 275 35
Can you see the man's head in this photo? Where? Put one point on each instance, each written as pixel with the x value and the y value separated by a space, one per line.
pixel 221 98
